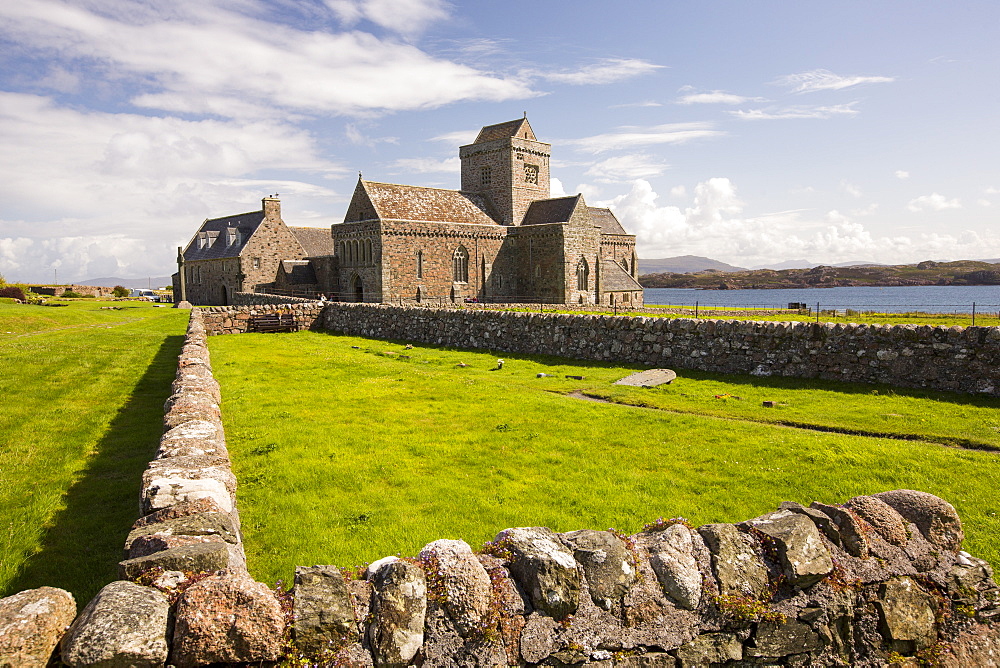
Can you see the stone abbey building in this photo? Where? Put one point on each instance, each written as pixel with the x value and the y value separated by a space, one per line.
pixel 501 238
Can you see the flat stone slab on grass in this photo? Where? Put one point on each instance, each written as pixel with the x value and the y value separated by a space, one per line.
pixel 648 378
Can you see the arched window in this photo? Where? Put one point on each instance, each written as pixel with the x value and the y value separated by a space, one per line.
pixel 582 275
pixel 461 264
pixel 420 264
pixel 369 249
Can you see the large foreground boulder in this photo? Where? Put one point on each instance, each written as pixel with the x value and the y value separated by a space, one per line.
pixel 324 613
pixel 398 609
pixel 31 623
pixel 544 568
pixel 227 619
pixel 124 625
pixel 936 519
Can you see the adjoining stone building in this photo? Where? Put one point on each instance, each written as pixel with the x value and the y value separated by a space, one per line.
pixel 244 252
pixel 501 238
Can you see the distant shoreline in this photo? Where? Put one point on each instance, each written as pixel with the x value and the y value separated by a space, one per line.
pixel 924 274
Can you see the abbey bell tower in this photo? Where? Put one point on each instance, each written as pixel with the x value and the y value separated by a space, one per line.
pixel 509 165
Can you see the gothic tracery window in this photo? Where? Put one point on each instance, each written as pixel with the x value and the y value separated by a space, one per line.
pixel 582 275
pixel 531 174
pixel 461 265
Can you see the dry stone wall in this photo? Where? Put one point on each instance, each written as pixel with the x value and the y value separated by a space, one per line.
pixel 878 580
pixel 960 359
pixel 236 319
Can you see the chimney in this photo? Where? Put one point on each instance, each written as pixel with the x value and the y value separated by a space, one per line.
pixel 272 207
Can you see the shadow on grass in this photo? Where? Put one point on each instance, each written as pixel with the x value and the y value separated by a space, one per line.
pixel 766 382
pixel 81 549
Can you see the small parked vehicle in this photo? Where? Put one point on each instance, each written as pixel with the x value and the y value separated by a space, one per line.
pixel 144 293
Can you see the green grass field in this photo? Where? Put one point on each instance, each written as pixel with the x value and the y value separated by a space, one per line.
pixel 350 449
pixel 81 408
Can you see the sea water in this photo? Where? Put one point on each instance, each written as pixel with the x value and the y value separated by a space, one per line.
pixel 925 298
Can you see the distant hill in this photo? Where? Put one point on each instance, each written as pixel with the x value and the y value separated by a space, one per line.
pixel 962 272
pixel 154 282
pixel 787 264
pixel 684 264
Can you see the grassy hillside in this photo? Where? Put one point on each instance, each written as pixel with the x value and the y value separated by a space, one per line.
pixel 81 409
pixel 350 449
pixel 963 272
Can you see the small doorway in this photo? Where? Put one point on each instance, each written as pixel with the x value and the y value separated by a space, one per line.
pixel 358 289
pixel 419 296
pixel 225 296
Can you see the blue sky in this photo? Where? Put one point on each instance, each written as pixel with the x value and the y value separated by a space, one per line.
pixel 750 132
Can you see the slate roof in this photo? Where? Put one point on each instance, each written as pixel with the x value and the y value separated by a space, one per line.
pixel 616 279
pixel 606 220
pixel 504 130
pixel 299 272
pixel 316 241
pixel 216 232
pixel 398 202
pixel 557 210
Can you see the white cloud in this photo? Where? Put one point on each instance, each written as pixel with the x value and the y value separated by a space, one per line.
pixel 647 103
pixel 429 165
pixel 556 188
pixel 714 224
pixel 118 182
pixel 407 17
pixel 608 70
pixel 866 211
pixel 626 168
pixel 818 80
pixel 633 137
pixel 184 55
pixel 850 189
pixel 992 191
pixel 818 112
pixel 458 137
pixel 902 174
pixel 933 202
pixel 678 191
pixel 358 138
pixel 714 97
pixel 984 202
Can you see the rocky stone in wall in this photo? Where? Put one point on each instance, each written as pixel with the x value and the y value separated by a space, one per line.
pixel 165 485
pixel 805 560
pixel 906 615
pixel 184 509
pixel 31 624
pixel 936 519
pixel 323 611
pixel 199 528
pixel 227 618
pixel 607 564
pixel 850 528
pixel 199 557
pixel 124 625
pixel 398 607
pixel 710 649
pixel 676 569
pixel 736 560
pixel 882 517
pixel 544 568
pixel 459 582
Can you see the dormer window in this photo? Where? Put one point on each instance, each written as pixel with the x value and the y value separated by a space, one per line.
pixel 233 236
pixel 531 174
pixel 202 240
